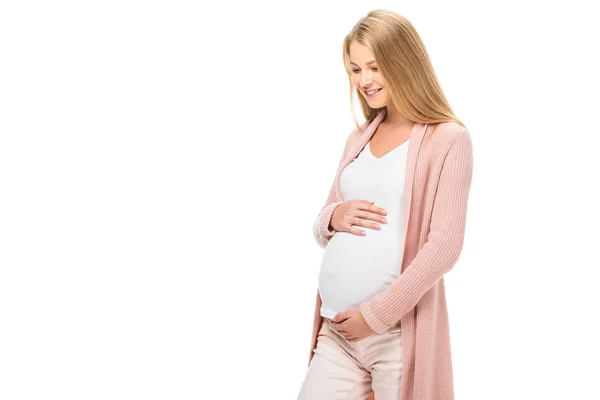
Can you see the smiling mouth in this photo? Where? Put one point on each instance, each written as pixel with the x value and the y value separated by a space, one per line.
pixel 372 94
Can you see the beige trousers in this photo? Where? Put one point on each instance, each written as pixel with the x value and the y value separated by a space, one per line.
pixel 343 370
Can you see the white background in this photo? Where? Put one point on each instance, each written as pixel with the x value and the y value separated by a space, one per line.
pixel 161 165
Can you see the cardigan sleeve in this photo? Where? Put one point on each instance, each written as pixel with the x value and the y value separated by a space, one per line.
pixel 444 242
pixel 321 231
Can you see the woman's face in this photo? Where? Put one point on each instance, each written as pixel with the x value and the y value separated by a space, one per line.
pixel 366 76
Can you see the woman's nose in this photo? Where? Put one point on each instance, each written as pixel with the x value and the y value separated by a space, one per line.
pixel 365 79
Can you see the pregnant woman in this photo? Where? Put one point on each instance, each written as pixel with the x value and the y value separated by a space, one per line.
pixel 392 226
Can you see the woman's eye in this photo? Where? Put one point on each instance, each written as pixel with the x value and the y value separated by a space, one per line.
pixel 356 70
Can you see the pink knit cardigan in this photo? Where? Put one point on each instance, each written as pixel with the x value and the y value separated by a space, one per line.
pixel 437 183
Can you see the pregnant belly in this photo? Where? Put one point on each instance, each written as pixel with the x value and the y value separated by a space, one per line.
pixel 355 268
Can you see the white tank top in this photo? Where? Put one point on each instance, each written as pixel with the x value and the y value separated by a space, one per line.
pixel 356 268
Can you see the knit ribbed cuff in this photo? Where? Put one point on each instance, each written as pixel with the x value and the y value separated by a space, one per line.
pixel 371 319
pixel 325 219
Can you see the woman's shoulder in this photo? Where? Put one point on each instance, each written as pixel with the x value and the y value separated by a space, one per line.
pixel 451 128
pixel 449 132
pixel 356 133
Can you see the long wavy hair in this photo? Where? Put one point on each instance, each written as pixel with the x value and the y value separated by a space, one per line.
pixel 405 65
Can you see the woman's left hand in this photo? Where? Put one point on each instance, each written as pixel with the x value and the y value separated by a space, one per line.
pixel 351 325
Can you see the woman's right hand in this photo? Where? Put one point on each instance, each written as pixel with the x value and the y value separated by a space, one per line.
pixel 357 213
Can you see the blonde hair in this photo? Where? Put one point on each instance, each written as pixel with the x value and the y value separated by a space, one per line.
pixel 404 63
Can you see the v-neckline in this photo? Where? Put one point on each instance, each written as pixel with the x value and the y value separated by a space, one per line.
pixel 383 156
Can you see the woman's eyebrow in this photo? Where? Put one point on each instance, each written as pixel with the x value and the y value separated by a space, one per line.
pixel 370 62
